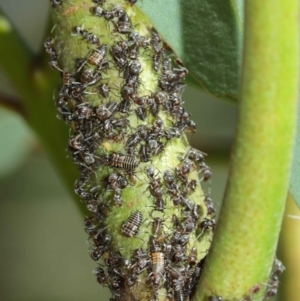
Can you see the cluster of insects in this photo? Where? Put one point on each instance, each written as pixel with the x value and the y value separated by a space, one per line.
pixel 145 123
pixel 103 115
pixel 273 283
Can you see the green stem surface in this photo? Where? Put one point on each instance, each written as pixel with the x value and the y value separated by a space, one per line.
pixel 245 241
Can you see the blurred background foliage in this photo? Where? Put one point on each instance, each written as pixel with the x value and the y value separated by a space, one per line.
pixel 42 251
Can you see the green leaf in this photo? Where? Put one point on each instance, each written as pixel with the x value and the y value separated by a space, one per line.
pixel 295 173
pixel 207 36
pixel 15 138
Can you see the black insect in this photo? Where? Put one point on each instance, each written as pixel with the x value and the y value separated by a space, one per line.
pixel 131 227
pixel 205 170
pixel 169 177
pixel 180 238
pixel 100 12
pixel 124 106
pixel 178 253
pixel 190 187
pixel 111 124
pixel 68 79
pixel 89 77
pixel 207 224
pixel 177 74
pixel 129 90
pixel 155 147
pixel 114 259
pixel 209 205
pixel 134 68
pixel 101 245
pixel 133 140
pixel 178 285
pixel 195 211
pixel 103 210
pixel 53 62
pixel 154 108
pixel 116 180
pixel 102 276
pixel 119 52
pixel 157 59
pixel 90 223
pixel 174 190
pixel 193 280
pixel 48 46
pixel 123 26
pixel 106 111
pixel 191 127
pixel 159 205
pixel 272 287
pixel 157 226
pixel 140 261
pixel 156 41
pixel 76 142
pixel 184 169
pixel 104 90
pixel 145 153
pixel 131 280
pixel 133 51
pixel 81 190
pixel 273 283
pixel 118 197
pixel 161 98
pixel 193 256
pixel 189 224
pixel 90 37
pixel 278 267
pixel 195 155
pixel 166 65
pixel 156 130
pixel 55 3
pixel 156 187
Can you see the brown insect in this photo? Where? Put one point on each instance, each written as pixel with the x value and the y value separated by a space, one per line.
pixel 158 266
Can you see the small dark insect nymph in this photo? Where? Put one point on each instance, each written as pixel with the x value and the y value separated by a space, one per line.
pixel 131 227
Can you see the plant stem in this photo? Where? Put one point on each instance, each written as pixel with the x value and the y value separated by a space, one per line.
pixel 245 241
pixel 105 152
pixel 12 103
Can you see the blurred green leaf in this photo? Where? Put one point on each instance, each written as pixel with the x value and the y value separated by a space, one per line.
pixel 15 138
pixel 207 36
pixel 295 173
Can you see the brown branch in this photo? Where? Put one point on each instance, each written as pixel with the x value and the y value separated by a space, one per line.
pixel 13 103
